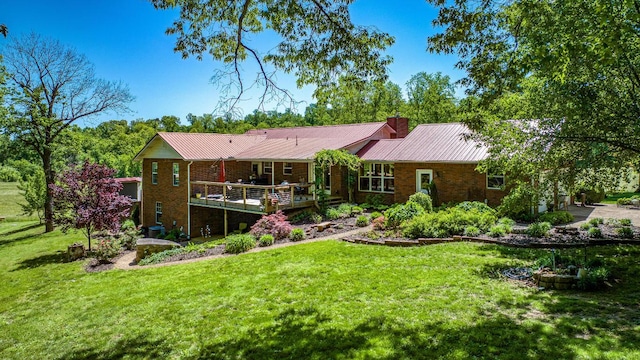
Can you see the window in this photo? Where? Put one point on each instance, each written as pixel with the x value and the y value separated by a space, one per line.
pixel 287 169
pixel 495 181
pixel 154 172
pixel 266 168
pixel 158 212
pixel 176 174
pixel 376 177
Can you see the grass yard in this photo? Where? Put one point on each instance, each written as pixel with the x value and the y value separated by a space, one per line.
pixel 613 197
pixel 323 300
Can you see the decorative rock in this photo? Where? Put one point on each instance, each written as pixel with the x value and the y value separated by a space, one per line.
pixel 564 279
pixel 323 226
pixel 148 246
pixel 75 251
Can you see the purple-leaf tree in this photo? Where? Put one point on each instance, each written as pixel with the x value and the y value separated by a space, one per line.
pixel 88 198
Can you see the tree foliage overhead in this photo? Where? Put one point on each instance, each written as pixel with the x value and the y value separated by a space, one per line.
pixel 581 59
pixel 318 43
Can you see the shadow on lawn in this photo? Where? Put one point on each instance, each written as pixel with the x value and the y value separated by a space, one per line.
pixel 308 334
pixel 130 348
pixel 42 260
pixel 5 241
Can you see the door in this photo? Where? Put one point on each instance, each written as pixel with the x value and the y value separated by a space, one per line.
pixel 423 180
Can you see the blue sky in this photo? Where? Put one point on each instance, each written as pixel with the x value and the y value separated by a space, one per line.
pixel 126 41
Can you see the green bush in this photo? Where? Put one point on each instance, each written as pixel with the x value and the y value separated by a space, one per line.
pixel 594 279
pixel 129 234
pixel 612 222
pixel 585 226
pixel 266 240
pixel 375 215
pixel 362 221
pixel 159 257
pixel 625 232
pixel 301 216
pixel 356 210
pixel 375 202
pixel 297 234
pixel 594 232
pixel 423 200
pixel 595 222
pixel 475 205
pixel 625 222
pixel 316 218
pixel 471 231
pixel 507 223
pixel 539 229
pixel 345 209
pixel 447 222
pixel 333 214
pixel 594 195
pixel 9 174
pixel 556 217
pixel 240 243
pixel 498 230
pixel 401 213
pixel 106 250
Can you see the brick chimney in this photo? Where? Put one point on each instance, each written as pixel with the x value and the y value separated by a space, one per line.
pixel 400 125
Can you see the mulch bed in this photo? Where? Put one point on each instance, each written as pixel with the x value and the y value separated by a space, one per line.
pixel 93 265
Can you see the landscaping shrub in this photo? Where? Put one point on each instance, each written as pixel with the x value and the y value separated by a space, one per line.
pixel 297 234
pixel 333 214
pixel 301 216
pixel 595 279
pixel 160 256
pixel 594 195
pixel 362 221
pixel 9 174
pixel 612 222
pixel 625 222
pixel 266 240
pixel 471 231
pixel 378 223
pixel 585 226
pixel 451 221
pixel 375 202
pixel 275 224
pixel 398 214
pixel 556 217
pixel 356 210
pixel 539 229
pixel 625 232
pixel 594 232
pixel 498 230
pixel 106 250
pixel 507 223
pixel 595 222
pixel 240 243
pixel 375 215
pixel 129 234
pixel 423 200
pixel 345 209
pixel 475 205
pixel 316 218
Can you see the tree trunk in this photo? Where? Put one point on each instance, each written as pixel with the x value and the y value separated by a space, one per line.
pixel 49 179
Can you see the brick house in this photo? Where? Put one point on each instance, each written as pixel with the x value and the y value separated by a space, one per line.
pixel 195 181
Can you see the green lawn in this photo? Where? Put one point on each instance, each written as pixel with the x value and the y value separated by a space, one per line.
pixel 324 300
pixel 612 198
pixel 10 198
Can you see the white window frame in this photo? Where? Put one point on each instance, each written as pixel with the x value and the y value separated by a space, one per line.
pixel 496 176
pixel 158 212
pixel 371 171
pixel 287 168
pixel 154 173
pixel 267 168
pixel 419 173
pixel 176 174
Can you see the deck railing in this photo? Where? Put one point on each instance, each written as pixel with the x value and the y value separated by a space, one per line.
pixel 250 197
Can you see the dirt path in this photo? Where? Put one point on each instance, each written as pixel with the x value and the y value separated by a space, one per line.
pixel 126 262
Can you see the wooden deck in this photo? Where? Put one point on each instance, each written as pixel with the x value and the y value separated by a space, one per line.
pixel 250 198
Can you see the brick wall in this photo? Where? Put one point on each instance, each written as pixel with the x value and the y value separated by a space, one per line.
pixel 173 198
pixel 454 182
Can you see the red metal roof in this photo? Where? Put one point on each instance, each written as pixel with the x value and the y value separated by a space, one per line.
pixel 352 131
pixel 129 179
pixel 429 143
pixel 207 146
pixel 378 149
pixel 292 148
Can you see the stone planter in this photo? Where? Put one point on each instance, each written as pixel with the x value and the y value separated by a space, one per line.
pixel 75 252
pixel 554 281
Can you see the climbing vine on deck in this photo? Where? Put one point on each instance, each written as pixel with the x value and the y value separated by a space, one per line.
pixel 324 160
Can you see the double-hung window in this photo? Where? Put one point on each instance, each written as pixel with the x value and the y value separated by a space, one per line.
pixel 158 212
pixel 376 177
pixel 266 167
pixel 176 174
pixel 154 172
pixel 495 181
pixel 287 168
